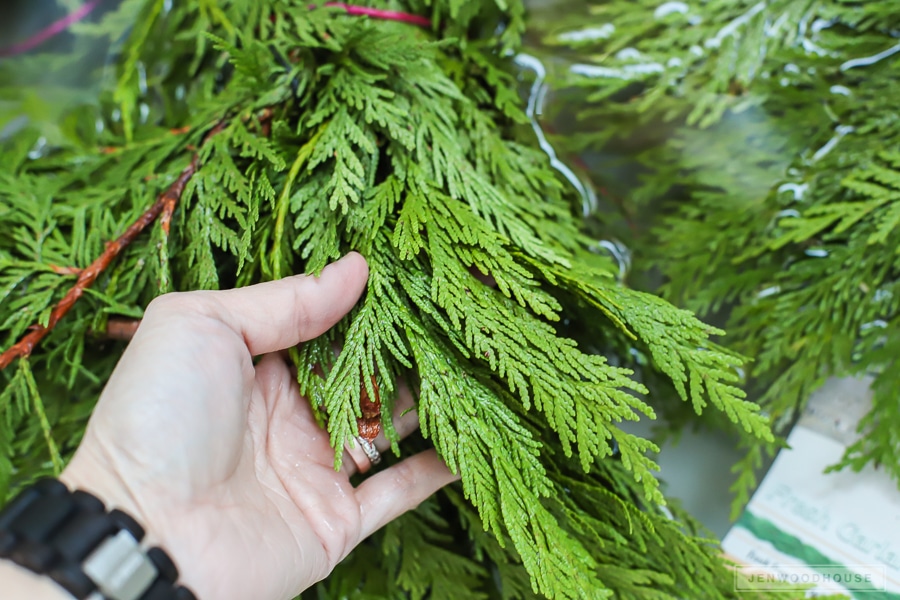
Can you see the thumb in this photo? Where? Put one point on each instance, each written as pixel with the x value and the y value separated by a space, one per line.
pixel 279 314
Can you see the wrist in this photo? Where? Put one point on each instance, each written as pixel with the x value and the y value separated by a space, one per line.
pixel 145 503
pixel 18 582
pixel 82 535
pixel 98 478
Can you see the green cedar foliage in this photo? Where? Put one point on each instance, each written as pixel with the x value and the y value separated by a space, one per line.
pixel 410 146
pixel 758 143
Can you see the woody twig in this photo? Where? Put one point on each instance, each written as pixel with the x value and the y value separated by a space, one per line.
pixel 121 329
pixel 164 205
pixel 370 423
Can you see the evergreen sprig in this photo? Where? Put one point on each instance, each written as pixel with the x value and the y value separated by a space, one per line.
pixel 763 140
pixel 339 133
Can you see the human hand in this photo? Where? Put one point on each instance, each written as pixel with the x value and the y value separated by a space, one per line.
pixel 221 460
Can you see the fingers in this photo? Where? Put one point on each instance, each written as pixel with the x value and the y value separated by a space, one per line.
pixel 279 314
pixel 388 494
pixel 405 422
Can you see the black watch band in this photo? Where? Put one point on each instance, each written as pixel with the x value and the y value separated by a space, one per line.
pixel 91 553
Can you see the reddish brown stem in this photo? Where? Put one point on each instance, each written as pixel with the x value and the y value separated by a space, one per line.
pixel 121 329
pixel 165 203
pixel 370 423
pixel 65 270
pixel 265 121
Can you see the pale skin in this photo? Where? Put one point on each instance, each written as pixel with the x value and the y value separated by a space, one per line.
pixel 221 459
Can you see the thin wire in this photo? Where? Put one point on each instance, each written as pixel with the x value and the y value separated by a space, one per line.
pixel 64 23
pixel 51 30
pixel 377 13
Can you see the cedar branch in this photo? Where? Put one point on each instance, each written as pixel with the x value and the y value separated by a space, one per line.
pixel 121 329
pixel 165 204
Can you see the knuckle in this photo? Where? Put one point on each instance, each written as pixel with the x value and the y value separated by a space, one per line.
pixel 405 475
pixel 179 304
pixel 301 315
pixel 355 460
pixel 361 465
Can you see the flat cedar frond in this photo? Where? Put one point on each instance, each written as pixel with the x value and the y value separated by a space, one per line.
pixel 765 136
pixel 335 133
